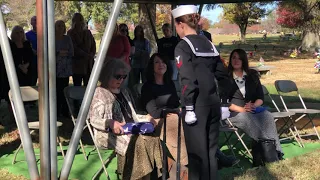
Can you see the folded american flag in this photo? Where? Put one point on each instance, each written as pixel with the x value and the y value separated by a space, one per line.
pixel 138 128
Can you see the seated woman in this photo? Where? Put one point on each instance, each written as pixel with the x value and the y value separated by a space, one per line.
pixel 112 108
pixel 246 97
pixel 159 92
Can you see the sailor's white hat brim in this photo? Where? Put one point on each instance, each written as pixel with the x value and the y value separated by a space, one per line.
pixel 183 10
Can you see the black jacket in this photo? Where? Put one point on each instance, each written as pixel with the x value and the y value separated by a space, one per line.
pixel 253 89
pixel 200 70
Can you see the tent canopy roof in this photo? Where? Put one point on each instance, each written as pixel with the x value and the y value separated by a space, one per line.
pixel 178 1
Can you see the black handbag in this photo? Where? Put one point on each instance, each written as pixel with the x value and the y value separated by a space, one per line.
pixel 264 151
pixel 269 152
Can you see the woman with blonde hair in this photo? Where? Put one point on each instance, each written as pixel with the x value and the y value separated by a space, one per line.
pixel 64 54
pixel 84 50
pixel 22 55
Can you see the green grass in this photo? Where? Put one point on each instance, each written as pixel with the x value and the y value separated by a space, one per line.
pixel 81 169
pixel 300 167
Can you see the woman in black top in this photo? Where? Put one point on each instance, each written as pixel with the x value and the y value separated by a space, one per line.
pixel 246 96
pixel 159 92
pixel 22 55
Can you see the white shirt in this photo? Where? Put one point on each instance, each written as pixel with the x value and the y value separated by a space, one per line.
pixel 241 82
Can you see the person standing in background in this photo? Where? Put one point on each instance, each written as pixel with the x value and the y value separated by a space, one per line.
pixel 64 54
pixel 119 49
pixel 84 50
pixel 166 47
pixel 141 55
pixel 32 38
pixel 22 55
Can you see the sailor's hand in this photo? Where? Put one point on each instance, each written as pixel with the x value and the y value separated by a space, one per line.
pixel 190 117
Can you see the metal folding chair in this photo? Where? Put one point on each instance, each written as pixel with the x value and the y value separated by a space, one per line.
pixel 30 94
pixel 287 86
pixel 75 94
pixel 226 126
pixel 286 117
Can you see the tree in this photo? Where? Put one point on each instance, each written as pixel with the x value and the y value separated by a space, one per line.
pixel 305 15
pixel 270 23
pixel 289 18
pixel 100 14
pixel 205 23
pixel 163 15
pixel 64 10
pixel 19 12
pixel 129 13
pixel 244 14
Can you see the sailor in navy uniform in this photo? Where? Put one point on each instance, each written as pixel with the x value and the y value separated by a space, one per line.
pixel 200 70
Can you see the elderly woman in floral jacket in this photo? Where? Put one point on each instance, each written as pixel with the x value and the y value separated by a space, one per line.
pixel 111 109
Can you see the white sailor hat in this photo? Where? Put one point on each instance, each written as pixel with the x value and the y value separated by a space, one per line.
pixel 183 10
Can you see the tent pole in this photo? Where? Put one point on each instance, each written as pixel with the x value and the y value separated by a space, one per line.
pixel 84 109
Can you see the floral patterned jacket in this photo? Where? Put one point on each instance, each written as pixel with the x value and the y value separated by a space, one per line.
pixel 104 108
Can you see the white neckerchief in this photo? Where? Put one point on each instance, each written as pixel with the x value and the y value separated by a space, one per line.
pixel 241 82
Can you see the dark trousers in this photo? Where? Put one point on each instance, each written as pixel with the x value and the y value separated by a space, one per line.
pixel 78 78
pixel 202 143
pixel 61 101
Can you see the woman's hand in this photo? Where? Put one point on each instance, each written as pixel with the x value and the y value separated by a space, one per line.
pixel 152 120
pixel 236 108
pixel 249 107
pixel 116 127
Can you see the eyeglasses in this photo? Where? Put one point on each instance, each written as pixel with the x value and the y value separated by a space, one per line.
pixel 119 76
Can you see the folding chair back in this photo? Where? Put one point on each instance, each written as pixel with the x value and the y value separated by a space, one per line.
pixel 28 94
pixel 287 86
pixel 74 95
pixel 266 93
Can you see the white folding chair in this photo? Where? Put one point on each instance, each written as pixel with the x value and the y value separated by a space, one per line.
pixel 287 86
pixel 75 94
pixel 286 117
pixel 30 94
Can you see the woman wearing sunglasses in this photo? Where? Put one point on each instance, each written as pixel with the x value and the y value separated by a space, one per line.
pixel 110 110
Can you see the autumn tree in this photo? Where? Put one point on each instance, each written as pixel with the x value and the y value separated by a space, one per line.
pixel 305 15
pixel 163 15
pixel 205 23
pixel 243 14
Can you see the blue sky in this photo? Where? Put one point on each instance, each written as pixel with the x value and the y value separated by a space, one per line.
pixel 212 15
